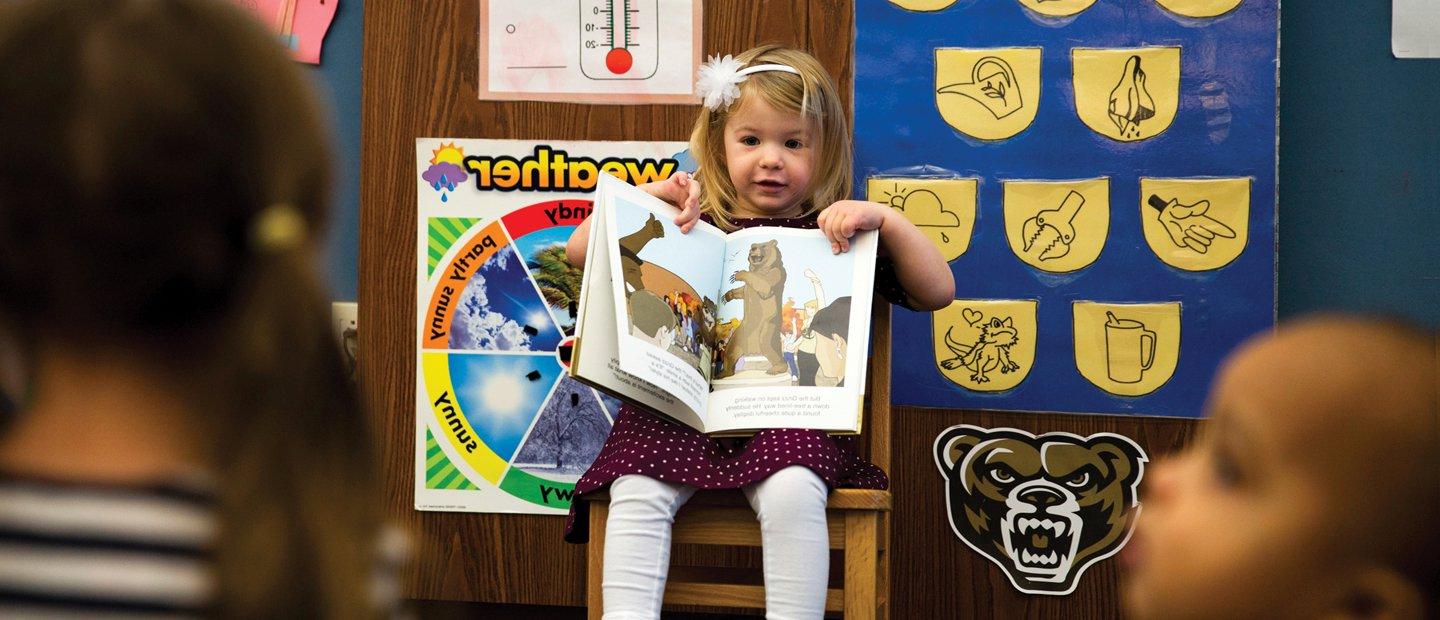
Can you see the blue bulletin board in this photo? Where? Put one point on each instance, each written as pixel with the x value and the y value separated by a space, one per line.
pixel 1112 220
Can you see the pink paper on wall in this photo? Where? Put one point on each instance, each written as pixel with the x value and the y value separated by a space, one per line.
pixel 301 24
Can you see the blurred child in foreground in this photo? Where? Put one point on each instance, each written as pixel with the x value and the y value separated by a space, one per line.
pixel 185 440
pixel 1314 491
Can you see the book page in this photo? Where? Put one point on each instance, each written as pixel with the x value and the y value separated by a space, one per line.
pixel 664 284
pixel 787 357
pixel 596 354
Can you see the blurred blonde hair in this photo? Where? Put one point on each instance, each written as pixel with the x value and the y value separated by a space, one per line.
pixel 145 144
pixel 810 94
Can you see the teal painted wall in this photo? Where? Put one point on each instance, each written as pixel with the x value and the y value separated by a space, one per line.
pixel 338 77
pixel 1359 165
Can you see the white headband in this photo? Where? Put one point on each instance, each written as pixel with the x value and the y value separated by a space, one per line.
pixel 720 78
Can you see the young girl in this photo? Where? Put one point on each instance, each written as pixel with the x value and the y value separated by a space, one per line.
pixel 183 440
pixel 774 150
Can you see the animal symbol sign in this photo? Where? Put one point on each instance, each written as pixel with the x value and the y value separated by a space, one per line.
pixel 989 94
pixel 985 345
pixel 1127 94
pixel 1057 226
pixel 1195 224
pixel 943 209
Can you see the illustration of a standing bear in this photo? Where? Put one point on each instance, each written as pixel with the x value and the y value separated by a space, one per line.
pixel 760 289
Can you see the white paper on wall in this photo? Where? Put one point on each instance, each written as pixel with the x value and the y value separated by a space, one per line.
pixel 1415 29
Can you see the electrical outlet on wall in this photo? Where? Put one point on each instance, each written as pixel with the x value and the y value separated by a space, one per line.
pixel 343 315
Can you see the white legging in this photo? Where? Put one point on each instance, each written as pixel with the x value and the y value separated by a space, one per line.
pixel 790 505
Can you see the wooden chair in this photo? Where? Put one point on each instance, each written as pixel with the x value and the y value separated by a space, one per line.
pixel 858 520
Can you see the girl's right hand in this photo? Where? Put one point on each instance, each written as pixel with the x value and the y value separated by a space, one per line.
pixel 681 190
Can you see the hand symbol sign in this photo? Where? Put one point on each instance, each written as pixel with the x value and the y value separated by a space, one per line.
pixel 1188 225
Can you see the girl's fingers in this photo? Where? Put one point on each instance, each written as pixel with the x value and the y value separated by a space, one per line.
pixel 688 199
pixel 832 230
pixel 693 200
pixel 829 229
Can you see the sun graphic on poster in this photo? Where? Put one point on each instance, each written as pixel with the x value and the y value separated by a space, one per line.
pixel 448 154
pixel 503 393
pixel 445 171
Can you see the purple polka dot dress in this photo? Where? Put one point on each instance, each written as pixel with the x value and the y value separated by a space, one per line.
pixel 641 443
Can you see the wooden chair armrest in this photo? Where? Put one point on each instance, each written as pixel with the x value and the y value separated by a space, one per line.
pixel 859 499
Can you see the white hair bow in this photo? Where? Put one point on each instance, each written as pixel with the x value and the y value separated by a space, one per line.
pixel 719 80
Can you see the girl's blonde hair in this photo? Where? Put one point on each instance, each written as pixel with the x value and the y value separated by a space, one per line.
pixel 811 94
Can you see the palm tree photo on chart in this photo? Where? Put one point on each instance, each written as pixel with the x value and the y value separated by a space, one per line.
pixel 559 281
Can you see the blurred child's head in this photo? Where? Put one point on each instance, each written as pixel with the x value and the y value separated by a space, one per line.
pixel 164 172
pixel 779 102
pixel 1314 489
pixel 139 151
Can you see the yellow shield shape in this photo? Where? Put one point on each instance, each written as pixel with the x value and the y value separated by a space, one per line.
pixel 1127 94
pixel 985 345
pixel 989 94
pixel 1057 226
pixel 1196 224
pixel 1199 8
pixel 1127 349
pixel 923 6
pixel 943 209
pixel 1057 8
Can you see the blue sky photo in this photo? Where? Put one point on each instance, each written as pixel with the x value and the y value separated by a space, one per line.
pixel 501 394
pixel 675 251
pixel 498 305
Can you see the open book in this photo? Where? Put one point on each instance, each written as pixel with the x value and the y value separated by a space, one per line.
pixel 726 333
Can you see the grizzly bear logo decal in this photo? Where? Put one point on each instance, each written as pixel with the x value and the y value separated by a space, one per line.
pixel 1042 508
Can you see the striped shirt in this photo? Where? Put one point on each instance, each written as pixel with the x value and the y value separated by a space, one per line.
pixel 118 551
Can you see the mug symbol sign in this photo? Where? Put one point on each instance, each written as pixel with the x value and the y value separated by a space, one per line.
pixel 1129 349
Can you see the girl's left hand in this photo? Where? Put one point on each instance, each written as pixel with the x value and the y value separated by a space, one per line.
pixel 842 220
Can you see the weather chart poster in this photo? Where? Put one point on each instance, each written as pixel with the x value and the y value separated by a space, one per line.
pixel 1101 175
pixel 500 427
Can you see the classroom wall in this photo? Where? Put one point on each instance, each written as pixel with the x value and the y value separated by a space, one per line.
pixel 1359 146
pixel 1359 164
pixel 1360 207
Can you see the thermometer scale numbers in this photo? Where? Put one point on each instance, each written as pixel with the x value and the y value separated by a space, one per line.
pixel 619 39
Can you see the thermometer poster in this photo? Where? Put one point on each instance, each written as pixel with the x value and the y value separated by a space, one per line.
pixel 1101 176
pixel 590 51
